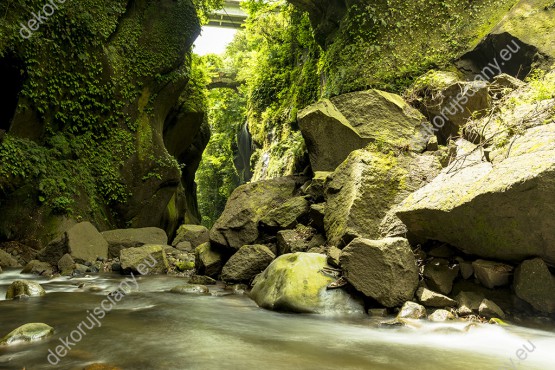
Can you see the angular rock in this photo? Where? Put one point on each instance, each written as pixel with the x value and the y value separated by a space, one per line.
pixel 6 260
pixel 209 260
pixel 432 299
pixel 478 208
pixel 492 274
pixel 332 129
pixel 27 288
pixel 299 240
pixel 440 275
pixel 441 316
pixel 286 216
pixel 536 285
pixel 293 282
pixel 194 234
pixel 466 268
pixel 28 333
pixel 333 254
pixel 145 260
pixel 365 187
pixel 66 264
pixel 249 261
pixel 190 289
pixel 412 310
pixel 130 238
pixel 469 303
pixel 85 243
pixel 38 268
pixel 238 224
pixel 489 309
pixel 384 270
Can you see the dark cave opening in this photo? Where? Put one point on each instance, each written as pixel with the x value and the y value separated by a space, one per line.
pixel 12 82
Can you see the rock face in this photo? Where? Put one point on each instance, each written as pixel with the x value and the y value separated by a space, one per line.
pixel 535 284
pixel 28 333
pixel 479 208
pixel 238 224
pixel 364 189
pixel 24 288
pixel 293 282
pixel 333 128
pixel 130 238
pixel 249 261
pixel 194 234
pixel 384 270
pixel 145 260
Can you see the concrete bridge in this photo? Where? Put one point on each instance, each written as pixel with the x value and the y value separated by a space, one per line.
pixel 230 16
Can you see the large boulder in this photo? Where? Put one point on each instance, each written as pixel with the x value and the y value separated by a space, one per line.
pixel 536 285
pixel 130 238
pixel 294 282
pixel 384 270
pixel 209 260
pixel 21 288
pixel 362 192
pixel 238 224
pixel 82 241
pixel 333 128
pixel 249 261
pixel 493 210
pixel 145 260
pixel 194 234
pixel 28 333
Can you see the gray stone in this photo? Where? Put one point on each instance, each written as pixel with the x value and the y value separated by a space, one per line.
pixel 439 275
pixel 209 260
pixel 332 129
pixel 185 247
pixel 145 260
pixel 249 261
pixel 441 316
pixel 27 333
pixel 489 309
pixel 412 310
pixel 194 234
pixel 363 191
pixel 432 299
pixel 295 283
pixel 467 271
pixel 66 264
pixel 130 238
pixel 190 289
pixel 27 288
pixel 492 274
pixel 38 268
pixel 238 224
pixel 536 285
pixel 287 215
pixel 85 243
pixel 6 260
pixel 384 270
pixel 469 303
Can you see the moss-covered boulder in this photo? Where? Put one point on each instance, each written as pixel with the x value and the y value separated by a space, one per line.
pixel 333 128
pixel 28 333
pixel 249 261
pixel 479 207
pixel 365 188
pixel 145 260
pixel 248 204
pixel 286 216
pixel 20 288
pixel 536 285
pixel 384 270
pixel 295 283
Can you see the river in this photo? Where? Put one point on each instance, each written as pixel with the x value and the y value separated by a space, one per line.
pixel 153 329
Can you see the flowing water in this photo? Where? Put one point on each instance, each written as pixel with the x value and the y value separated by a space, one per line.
pixel 152 329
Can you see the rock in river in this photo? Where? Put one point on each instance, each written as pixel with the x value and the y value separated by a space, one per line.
pixel 21 288
pixel 28 333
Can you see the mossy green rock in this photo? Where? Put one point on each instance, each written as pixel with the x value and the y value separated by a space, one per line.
pixel 333 128
pixel 28 333
pixel 365 188
pixel 493 210
pixel 295 283
pixel 238 224
pixel 24 288
pixel 209 260
pixel 287 215
pixel 145 260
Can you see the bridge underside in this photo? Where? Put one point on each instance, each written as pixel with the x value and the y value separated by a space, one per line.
pixel 230 16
